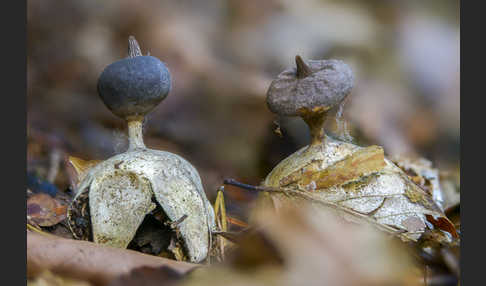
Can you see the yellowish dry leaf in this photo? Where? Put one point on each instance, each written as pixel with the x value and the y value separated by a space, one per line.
pixel 360 163
pixel 82 166
pixel 359 180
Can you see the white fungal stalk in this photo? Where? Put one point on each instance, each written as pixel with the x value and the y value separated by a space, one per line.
pixel 135 133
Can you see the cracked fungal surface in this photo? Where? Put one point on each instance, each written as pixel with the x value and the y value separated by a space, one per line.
pixel 357 178
pixel 120 192
pixel 359 181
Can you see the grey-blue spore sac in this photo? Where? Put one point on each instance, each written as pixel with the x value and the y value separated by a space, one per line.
pixel 134 86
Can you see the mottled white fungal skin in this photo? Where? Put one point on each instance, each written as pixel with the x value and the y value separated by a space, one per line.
pixel 384 196
pixel 330 152
pixel 120 192
pixel 119 200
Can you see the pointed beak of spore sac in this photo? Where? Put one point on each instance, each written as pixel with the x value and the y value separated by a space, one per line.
pixel 303 70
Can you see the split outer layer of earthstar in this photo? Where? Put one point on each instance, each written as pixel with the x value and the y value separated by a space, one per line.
pixel 360 181
pixel 122 189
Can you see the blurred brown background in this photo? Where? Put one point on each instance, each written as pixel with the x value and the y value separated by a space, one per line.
pixel 222 56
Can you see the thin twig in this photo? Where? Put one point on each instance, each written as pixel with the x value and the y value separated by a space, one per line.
pixel 175 224
pixel 312 199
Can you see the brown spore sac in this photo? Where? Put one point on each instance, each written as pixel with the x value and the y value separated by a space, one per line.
pixel 312 84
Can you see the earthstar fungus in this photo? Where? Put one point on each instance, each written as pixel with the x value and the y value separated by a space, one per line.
pixel 115 194
pixel 360 181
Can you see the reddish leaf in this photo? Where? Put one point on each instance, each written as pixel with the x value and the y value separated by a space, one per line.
pixel 444 224
pixel 44 210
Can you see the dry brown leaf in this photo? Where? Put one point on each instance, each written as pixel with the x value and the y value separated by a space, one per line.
pixel 295 247
pixel 44 210
pixel 359 180
pixel 148 276
pixel 450 183
pixel 421 173
pixel 87 260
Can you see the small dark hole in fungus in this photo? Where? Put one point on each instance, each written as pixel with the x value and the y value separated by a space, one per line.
pixel 79 219
pixel 154 235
